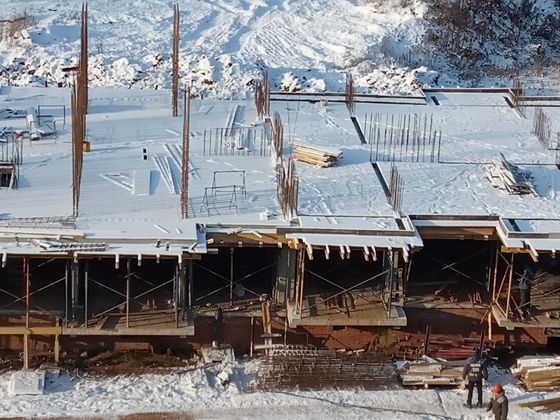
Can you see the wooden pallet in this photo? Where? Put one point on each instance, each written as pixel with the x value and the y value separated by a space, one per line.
pixel 546 405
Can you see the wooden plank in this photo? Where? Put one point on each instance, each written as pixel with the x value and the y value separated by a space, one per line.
pixel 20 330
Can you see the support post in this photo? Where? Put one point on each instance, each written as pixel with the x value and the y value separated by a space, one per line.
pixel 190 275
pixel 128 293
pixel 427 339
pixel 75 276
pixel 66 280
pixel 57 344
pixel 184 286
pixel 509 285
pixel 252 336
pixel 57 348
pixel 86 281
pixel 301 283
pixel 26 279
pixel 176 295
pixel 231 251
pixel 391 272
pixel 26 351
pixel 490 325
pixel 496 262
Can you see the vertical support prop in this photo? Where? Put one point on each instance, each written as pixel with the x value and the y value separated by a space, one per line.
pixel 128 293
pixel 252 336
pixel 509 285
pixel 176 295
pixel 231 251
pixel 26 351
pixel 183 287
pixel 302 280
pixel 66 281
pixel 86 281
pixel 427 340
pixel 495 279
pixel 26 336
pixel 391 273
pixel 74 287
pixel 190 275
pixel 57 344
pixel 27 286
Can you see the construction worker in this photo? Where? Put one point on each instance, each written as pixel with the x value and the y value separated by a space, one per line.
pixel 524 283
pixel 474 371
pixel 498 403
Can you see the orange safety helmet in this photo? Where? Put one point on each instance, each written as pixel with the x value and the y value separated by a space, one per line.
pixel 496 389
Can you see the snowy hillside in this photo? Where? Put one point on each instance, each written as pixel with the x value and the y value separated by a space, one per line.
pixel 390 46
pixel 306 44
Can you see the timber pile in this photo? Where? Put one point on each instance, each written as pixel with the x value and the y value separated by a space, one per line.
pixel 317 369
pixel 430 373
pixel 509 177
pixel 445 347
pixel 539 373
pixel 315 155
pixel 547 405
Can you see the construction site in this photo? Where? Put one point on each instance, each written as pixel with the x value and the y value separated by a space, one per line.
pixel 394 226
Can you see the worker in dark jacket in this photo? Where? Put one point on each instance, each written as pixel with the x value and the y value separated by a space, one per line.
pixel 498 403
pixel 524 283
pixel 474 371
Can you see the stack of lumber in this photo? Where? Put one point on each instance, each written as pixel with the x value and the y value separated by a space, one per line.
pixel 547 405
pixel 509 177
pixel 426 373
pixel 539 373
pixel 315 155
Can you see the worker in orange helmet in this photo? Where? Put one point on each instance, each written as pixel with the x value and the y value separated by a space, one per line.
pixel 498 403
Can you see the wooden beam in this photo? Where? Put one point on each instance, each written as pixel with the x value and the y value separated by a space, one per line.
pixel 22 330
pixel 309 250
pixel 532 252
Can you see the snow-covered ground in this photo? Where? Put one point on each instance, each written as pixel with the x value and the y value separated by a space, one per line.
pixel 201 394
pixel 224 44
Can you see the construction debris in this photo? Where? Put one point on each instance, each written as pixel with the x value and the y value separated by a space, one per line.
pixel 315 155
pixel 539 373
pixel 458 293
pixel 509 177
pixel 547 405
pixel 429 372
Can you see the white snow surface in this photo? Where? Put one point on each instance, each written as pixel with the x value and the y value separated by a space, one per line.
pixel 306 44
pixel 201 394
